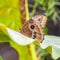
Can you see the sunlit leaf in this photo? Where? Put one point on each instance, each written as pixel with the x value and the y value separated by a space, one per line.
pixel 19 38
pixel 55 52
pixel 54 42
pixel 1 58
pixel 22 50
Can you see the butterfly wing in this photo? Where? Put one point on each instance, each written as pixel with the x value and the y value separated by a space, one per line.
pixel 32 29
pixel 41 19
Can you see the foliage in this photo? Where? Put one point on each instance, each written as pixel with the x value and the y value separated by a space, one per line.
pixel 0 58
pixel 48 6
pixel 10 17
pixel 9 9
pixel 54 43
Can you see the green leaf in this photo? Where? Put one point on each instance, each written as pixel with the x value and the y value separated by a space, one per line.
pixel 10 17
pixel 55 52
pixel 1 58
pixel 19 38
pixel 3 37
pixel 49 49
pixel 23 51
pixel 3 28
pixel 3 34
pixel 54 42
pixel 10 14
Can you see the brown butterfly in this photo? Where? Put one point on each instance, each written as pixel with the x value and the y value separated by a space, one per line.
pixel 34 27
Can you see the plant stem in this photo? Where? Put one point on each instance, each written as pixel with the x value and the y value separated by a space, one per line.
pixel 32 47
pixel 26 10
pixel 33 52
pixel 34 9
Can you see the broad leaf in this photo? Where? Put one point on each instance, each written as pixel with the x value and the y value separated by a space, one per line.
pixel 54 42
pixel 23 51
pixel 1 58
pixel 19 38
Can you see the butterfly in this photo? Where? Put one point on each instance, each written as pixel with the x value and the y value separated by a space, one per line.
pixel 34 27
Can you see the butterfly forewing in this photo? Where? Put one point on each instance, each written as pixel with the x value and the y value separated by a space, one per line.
pixel 41 19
